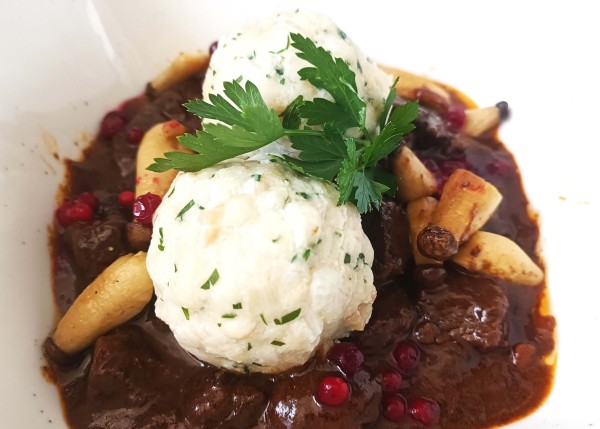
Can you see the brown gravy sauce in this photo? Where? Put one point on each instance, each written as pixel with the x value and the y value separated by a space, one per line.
pixel 482 341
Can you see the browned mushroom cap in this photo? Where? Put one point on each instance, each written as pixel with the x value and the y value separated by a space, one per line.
pixel 437 243
pixel 419 213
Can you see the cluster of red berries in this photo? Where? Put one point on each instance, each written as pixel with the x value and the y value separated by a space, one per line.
pixel 335 390
pixel 114 122
pixel 80 208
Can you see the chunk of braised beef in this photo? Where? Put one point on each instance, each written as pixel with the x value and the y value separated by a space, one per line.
pixel 95 245
pixel 248 405
pixel 467 309
pixel 388 231
pixel 392 320
pixel 168 105
pixel 432 130
pixel 222 401
pixel 138 235
pixel 207 400
pixel 119 360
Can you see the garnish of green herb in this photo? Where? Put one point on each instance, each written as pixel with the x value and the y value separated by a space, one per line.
pixel 287 45
pixel 229 316
pixel 303 195
pixel 188 206
pixel 245 124
pixel 277 343
pixel 237 306
pixel 186 313
pixel 212 280
pixel 310 250
pixel 262 316
pixel 288 317
pixel 161 245
pixel 249 347
pixel 347 258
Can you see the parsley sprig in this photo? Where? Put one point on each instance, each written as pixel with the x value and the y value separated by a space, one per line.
pixel 245 123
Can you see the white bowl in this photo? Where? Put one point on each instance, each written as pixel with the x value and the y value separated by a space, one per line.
pixel 66 63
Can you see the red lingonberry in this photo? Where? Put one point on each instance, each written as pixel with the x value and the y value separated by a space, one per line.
pixel 347 356
pixel 407 355
pixel 112 123
pixel 126 199
pixel 89 199
pixel 391 380
pixel 455 116
pixel 144 208
pixel 424 410
pixel 393 406
pixel 333 391
pixel 134 135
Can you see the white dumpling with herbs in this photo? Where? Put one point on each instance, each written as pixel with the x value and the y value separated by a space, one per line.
pixel 255 266
pixel 261 53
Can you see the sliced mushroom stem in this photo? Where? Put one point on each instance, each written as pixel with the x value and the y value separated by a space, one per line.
pixel 419 213
pixel 184 66
pixel 466 204
pixel 479 121
pixel 500 257
pixel 414 179
pixel 409 84
pixel 159 139
pixel 119 293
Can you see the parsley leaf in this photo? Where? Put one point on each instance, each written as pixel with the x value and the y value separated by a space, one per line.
pixel 389 101
pixel 387 141
pixel 290 118
pixel 321 156
pixel 327 152
pixel 334 76
pixel 250 126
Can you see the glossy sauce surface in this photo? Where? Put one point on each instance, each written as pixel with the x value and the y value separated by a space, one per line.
pixel 481 341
